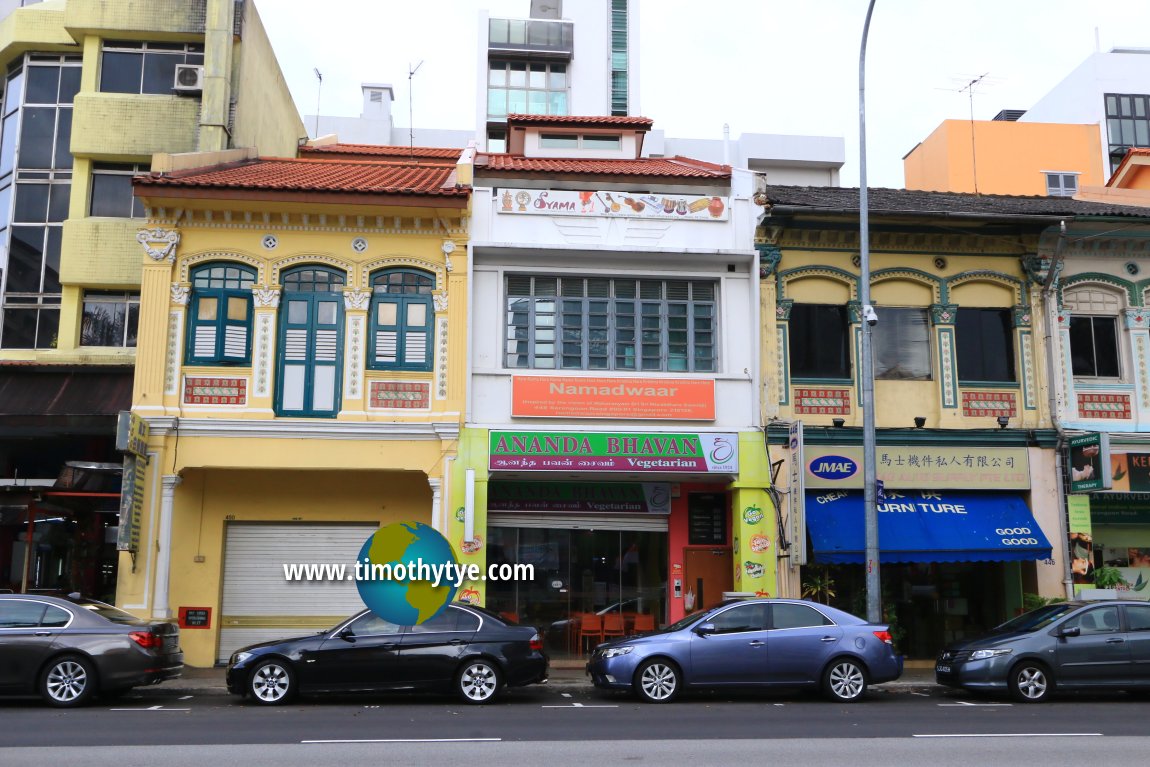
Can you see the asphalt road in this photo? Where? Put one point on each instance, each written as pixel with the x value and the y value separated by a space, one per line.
pixel 587 721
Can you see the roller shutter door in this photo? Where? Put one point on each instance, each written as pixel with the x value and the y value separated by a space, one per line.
pixel 259 604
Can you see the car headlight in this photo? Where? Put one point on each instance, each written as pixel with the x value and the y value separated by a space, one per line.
pixel 240 657
pixel 984 654
pixel 612 652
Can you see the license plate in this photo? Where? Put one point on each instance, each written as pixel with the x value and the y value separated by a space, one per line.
pixel 942 669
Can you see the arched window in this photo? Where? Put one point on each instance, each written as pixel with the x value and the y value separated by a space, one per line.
pixel 220 315
pixel 401 318
pixel 1095 351
pixel 311 339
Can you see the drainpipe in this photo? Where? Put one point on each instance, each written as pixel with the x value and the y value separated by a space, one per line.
pixel 1050 306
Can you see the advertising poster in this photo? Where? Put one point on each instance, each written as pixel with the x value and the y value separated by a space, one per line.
pixel 1081 541
pixel 1089 461
pixel 752 543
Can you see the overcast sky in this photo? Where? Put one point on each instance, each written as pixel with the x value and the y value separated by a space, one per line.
pixel 763 66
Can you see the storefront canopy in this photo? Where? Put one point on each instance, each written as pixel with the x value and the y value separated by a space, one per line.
pixel 923 526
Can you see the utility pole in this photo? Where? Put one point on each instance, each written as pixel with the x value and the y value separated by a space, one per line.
pixel 866 375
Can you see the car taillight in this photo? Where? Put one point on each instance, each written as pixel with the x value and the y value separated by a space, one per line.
pixel 884 636
pixel 146 639
pixel 536 643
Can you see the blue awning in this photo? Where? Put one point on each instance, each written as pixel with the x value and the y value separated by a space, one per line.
pixel 918 526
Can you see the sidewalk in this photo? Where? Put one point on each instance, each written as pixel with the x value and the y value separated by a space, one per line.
pixel 564 674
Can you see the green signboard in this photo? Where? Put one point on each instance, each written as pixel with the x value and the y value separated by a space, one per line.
pixel 1090 462
pixel 631 452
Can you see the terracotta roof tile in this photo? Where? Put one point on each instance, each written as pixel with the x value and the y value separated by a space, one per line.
pixel 343 176
pixel 678 167
pixel 633 121
pixel 379 150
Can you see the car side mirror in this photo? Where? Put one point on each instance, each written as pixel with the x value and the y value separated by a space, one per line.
pixel 1070 631
pixel 703 629
pixel 347 635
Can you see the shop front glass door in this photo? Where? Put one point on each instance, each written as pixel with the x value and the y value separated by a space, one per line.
pixel 588 586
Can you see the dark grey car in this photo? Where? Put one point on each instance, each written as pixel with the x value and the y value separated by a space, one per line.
pixel 1068 645
pixel 68 650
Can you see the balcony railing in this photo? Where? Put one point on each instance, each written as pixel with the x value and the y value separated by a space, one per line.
pixel 531 36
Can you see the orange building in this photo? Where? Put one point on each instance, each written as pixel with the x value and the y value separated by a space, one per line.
pixel 1006 157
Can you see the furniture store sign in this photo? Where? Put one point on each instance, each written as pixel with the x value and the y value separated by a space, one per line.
pixel 911 468
pixel 632 452
pixel 599 204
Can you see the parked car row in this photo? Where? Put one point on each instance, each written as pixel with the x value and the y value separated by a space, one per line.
pixel 69 651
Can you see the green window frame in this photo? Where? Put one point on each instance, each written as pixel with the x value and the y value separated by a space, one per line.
pixel 220 315
pixel 402 319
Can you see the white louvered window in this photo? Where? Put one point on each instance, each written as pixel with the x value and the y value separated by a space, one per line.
pixel 401 317
pixel 220 315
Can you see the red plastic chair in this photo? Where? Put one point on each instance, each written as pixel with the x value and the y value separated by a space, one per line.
pixel 613 625
pixel 590 625
pixel 644 622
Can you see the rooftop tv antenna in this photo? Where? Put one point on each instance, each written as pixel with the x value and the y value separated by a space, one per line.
pixel 410 109
pixel 318 93
pixel 969 88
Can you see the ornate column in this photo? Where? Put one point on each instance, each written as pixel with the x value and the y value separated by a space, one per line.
pixel 1138 326
pixel 160 607
pixel 1021 316
pixel 265 303
pixel 356 304
pixel 942 318
pixel 1065 363
pixel 436 501
pixel 161 312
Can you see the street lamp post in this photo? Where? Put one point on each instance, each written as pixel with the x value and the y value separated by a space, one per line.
pixel 866 374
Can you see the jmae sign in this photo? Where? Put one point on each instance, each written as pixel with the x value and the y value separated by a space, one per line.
pixel 910 468
pixel 632 452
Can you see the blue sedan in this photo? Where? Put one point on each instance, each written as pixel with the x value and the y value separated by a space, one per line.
pixel 752 643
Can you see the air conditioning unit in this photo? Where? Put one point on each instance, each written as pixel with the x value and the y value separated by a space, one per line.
pixel 189 79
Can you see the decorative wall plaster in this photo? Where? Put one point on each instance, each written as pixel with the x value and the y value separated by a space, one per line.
pixel 399 261
pixel 400 395
pixel 783 309
pixel 270 242
pixel 943 314
pixel 172 353
pixel 1028 373
pixel 359 245
pixel 353 364
pixel 1142 353
pixel 440 299
pixel 441 358
pixel 262 354
pixel 159 244
pixel 781 365
pixel 1021 316
pixel 822 401
pixel 946 367
pixel 215 391
pixel 356 300
pixel 1104 406
pixel 312 258
pixel 448 248
pixel 769 258
pixel 187 262
pixel 1137 319
pixel 980 404
pixel 180 293
pixel 266 298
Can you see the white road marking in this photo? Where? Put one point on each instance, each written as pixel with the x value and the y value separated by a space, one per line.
pixel 967 704
pixel 1015 735
pixel 565 694
pixel 920 694
pixel 580 705
pixel 780 705
pixel 186 697
pixel 150 708
pixel 410 740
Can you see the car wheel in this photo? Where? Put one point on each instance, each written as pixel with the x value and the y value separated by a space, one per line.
pixel 1031 682
pixel 68 681
pixel 658 681
pixel 272 682
pixel 844 681
pixel 478 682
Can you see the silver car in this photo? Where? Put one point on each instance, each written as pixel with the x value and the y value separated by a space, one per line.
pixel 69 650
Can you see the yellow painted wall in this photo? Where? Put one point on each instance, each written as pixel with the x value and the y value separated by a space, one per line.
pixel 101 253
pixel 266 116
pixel 1011 157
pixel 120 126
pixel 160 19
pixel 34 28
pixel 205 499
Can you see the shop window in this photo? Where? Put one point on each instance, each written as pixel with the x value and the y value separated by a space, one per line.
pixel 112 191
pixel 220 315
pixel 110 318
pixel 135 67
pixel 576 323
pixel 985 345
pixel 902 344
pixel 1094 347
pixel 401 320
pixel 819 341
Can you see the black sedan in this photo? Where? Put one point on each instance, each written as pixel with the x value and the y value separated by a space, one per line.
pixel 1067 645
pixel 467 650
pixel 69 650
